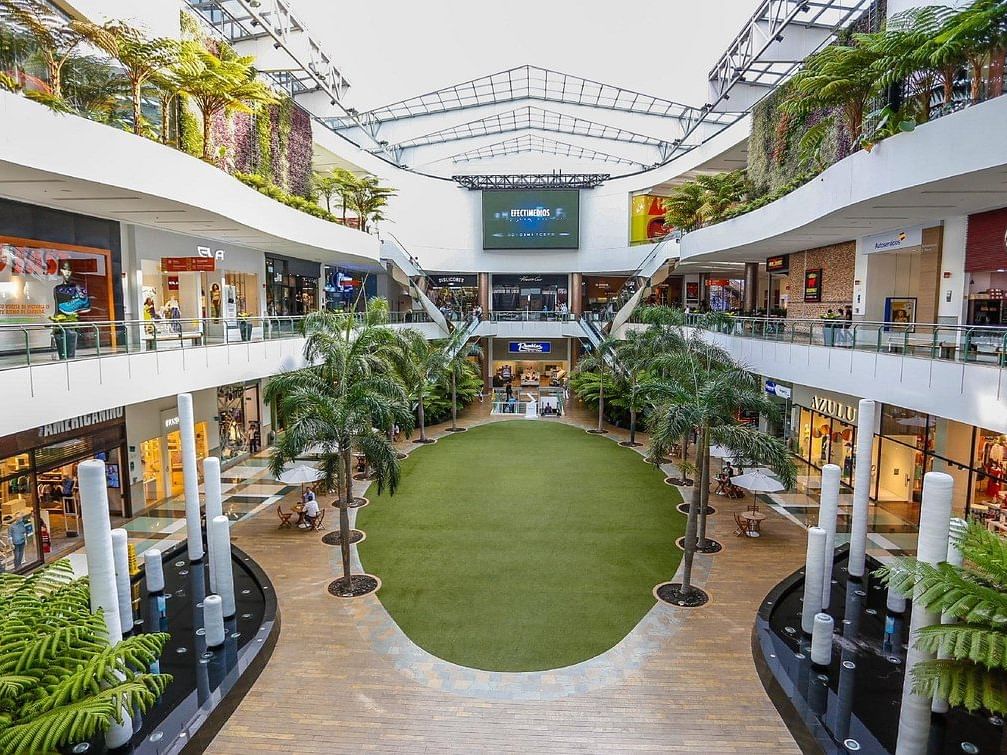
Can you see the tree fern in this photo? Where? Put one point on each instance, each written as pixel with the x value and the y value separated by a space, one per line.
pixel 60 681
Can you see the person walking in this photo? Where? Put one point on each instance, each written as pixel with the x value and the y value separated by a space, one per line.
pixel 17 532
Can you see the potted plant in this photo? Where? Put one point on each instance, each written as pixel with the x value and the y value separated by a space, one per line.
pixel 64 337
pixel 831 322
pixel 244 326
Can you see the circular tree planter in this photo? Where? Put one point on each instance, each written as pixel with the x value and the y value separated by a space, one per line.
pixel 356 503
pixel 662 460
pixel 425 441
pixel 597 432
pixel 360 584
pixel 400 456
pixel 457 429
pixel 676 481
pixel 335 538
pixel 712 546
pixel 672 594
pixel 627 444
pixel 684 509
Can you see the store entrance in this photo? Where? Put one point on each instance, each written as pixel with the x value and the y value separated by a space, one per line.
pixel 174 481
pixel 529 374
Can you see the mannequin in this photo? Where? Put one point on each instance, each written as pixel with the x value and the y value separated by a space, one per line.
pixel 71 297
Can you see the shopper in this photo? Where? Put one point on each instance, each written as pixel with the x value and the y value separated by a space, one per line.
pixel 17 533
pixel 311 510
pixel 255 440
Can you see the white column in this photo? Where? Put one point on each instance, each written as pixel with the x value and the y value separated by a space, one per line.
pixel 213 621
pixel 828 511
pixel 101 567
pixel 813 578
pixel 935 518
pixel 120 558
pixel 895 601
pixel 153 567
pixel 220 547
pixel 862 487
pixel 187 429
pixel 821 640
pixel 955 558
pixel 213 503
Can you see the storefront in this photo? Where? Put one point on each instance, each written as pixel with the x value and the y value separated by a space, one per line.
pixel 899 278
pixel 39 496
pixel 781 393
pixel 291 285
pixel 240 426
pixel 725 294
pixel 529 364
pixel 186 278
pixel 54 262
pixel 454 293
pixel 986 268
pixel 348 290
pixel 601 290
pixel 530 293
pixel 155 445
pixel 824 428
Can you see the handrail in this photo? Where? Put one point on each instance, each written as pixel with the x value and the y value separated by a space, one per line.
pixel 31 344
pixel 525 315
pixel 980 344
pixel 631 285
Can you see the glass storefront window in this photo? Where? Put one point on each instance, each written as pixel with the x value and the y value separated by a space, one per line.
pixel 530 293
pixel 175 479
pixel 19 542
pixel 238 409
pixel 153 471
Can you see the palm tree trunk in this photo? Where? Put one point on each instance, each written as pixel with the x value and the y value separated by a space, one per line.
pixel 206 134
pixel 137 115
pixel 976 63
pixel 454 403
pixel 995 84
pixel 53 68
pixel 344 514
pixel 690 529
pixel 423 428
pixel 704 496
pixel 165 119
pixel 601 403
pixel 632 427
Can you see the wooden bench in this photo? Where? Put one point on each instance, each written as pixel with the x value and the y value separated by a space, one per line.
pixel 172 340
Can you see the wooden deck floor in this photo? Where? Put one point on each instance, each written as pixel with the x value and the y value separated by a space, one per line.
pixel 328 690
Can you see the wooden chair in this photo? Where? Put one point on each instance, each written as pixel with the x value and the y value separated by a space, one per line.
pixel 317 523
pixel 284 516
pixel 742 525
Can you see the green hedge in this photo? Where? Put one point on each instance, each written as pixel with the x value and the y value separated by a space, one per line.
pixel 273 191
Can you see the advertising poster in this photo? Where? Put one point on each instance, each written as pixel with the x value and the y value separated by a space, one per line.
pixel 813 285
pixel 647 219
pixel 541 219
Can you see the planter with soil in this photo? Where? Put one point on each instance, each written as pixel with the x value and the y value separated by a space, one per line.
pixel 712 546
pixel 672 594
pixel 684 482
pixel 360 584
pixel 335 538
pixel 425 441
pixel 356 503
pixel 684 509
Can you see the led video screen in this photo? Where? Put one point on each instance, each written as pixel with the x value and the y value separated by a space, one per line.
pixel 545 219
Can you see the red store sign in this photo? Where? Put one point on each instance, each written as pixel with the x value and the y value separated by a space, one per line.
pixel 986 241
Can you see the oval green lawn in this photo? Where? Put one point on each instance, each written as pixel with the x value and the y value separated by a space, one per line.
pixel 521 545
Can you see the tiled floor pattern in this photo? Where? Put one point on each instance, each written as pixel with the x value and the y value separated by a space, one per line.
pixel 344 679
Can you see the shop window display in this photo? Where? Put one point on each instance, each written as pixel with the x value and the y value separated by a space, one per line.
pixel 175 478
pixel 19 544
pixel 238 409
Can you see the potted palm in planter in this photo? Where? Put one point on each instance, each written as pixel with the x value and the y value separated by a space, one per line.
pixel 63 336
pixel 831 322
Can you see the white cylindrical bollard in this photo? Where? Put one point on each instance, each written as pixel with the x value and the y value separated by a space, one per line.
pixel 120 558
pixel 153 568
pixel 101 567
pixel 813 578
pixel 213 620
pixel 213 506
pixel 895 601
pixel 828 512
pixel 821 640
pixel 862 487
pixel 932 548
pixel 955 558
pixel 190 476
pixel 220 545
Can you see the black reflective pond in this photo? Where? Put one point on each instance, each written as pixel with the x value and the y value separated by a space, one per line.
pixel 853 705
pixel 202 677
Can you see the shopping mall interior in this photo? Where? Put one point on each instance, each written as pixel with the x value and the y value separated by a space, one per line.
pixel 559 393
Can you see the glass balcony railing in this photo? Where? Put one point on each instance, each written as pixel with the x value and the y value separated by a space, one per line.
pixel 960 343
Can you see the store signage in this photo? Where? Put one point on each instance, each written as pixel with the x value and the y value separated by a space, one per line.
pixel 530 347
pixel 454 281
pixel 833 408
pixel 813 285
pixel 79 423
pixel 171 422
pixel 530 279
pixel 207 253
pixel 780 264
pixel 893 241
pixel 773 389
pixel 188 264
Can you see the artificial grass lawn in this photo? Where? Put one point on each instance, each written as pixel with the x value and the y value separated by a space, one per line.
pixel 521 545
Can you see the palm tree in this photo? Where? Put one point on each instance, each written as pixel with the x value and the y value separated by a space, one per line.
pixel 219 83
pixel 346 400
pixel 639 388
pixel 598 361
pixel 840 76
pixel 456 366
pixel 55 39
pixel 721 192
pixel 973 33
pixel 420 363
pixel 974 674
pixel 94 89
pixel 338 182
pixel 142 59
pixel 706 394
pixel 367 198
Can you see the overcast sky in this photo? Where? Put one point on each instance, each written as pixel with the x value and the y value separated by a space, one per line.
pixel 394 49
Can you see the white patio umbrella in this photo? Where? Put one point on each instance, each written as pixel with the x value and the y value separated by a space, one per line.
pixel 718 451
pixel 758 481
pixel 300 475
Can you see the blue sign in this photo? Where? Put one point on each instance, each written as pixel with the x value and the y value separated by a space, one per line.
pixel 530 347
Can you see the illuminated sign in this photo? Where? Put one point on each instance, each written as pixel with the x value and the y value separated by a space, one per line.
pixel 780 264
pixel 530 347
pixel 813 285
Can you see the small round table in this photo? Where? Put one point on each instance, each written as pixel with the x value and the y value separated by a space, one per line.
pixel 753 518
